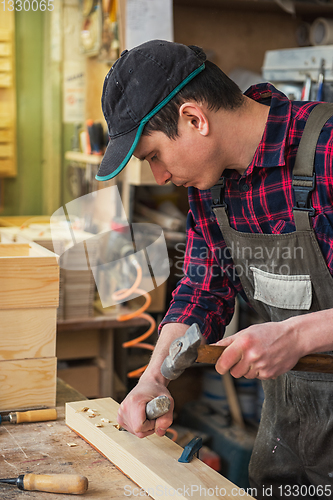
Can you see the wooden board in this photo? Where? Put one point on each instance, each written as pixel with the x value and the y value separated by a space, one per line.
pixel 27 333
pixel 27 383
pixel 43 448
pixel 28 281
pixel 14 250
pixel 151 462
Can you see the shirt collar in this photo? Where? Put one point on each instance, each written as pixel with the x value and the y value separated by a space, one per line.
pixel 271 149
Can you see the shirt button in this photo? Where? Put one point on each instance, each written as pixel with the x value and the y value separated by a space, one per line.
pixel 245 187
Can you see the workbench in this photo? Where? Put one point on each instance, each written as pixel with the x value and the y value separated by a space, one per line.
pixel 44 448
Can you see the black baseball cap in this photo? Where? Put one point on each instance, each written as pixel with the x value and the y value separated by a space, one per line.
pixel 137 86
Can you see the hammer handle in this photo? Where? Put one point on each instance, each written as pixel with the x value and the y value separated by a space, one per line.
pixel 321 363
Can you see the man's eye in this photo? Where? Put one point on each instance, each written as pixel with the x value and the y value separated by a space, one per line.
pixel 153 158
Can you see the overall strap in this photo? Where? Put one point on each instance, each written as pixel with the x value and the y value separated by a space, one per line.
pixel 303 174
pixel 219 206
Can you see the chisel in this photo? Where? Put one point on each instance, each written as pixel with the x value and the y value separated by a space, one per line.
pixel 18 417
pixel 51 483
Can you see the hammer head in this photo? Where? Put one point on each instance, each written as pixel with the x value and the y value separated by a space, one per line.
pixel 182 353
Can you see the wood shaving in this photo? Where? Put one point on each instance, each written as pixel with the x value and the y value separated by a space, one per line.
pixel 117 426
pixel 99 425
pixel 71 444
pixel 83 409
pixel 105 420
pixel 92 413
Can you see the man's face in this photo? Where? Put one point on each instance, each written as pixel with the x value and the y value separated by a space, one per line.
pixel 184 161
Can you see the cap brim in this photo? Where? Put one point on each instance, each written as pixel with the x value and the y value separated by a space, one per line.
pixel 118 153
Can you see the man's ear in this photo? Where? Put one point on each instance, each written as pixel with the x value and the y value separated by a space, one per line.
pixel 193 115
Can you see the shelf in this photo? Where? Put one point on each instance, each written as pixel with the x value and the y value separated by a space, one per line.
pixel 83 158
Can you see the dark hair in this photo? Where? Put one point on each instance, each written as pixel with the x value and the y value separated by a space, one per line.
pixel 211 86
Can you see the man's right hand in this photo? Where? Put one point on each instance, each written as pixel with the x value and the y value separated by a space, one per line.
pixel 132 411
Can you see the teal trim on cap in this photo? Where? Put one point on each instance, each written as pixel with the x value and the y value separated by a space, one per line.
pixel 145 120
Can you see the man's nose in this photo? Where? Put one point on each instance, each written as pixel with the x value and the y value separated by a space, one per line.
pixel 162 176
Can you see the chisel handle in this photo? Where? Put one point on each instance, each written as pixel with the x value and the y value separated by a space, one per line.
pixel 54 483
pixel 320 363
pixel 34 416
pixel 157 407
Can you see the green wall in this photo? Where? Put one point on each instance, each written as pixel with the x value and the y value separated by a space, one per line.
pixel 23 194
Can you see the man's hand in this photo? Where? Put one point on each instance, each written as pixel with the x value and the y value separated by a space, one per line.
pixel 262 351
pixel 132 411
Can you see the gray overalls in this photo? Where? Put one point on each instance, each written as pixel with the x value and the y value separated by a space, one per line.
pixel 294 446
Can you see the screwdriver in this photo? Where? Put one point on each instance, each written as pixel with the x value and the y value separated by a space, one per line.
pixel 30 416
pixel 52 483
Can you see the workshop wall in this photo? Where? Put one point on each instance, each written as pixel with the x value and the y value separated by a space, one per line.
pixel 235 38
pixel 23 194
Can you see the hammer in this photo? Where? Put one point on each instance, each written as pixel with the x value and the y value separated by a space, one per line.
pixel 188 349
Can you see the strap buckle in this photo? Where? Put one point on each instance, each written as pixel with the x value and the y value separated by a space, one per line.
pixel 303 186
pixel 217 193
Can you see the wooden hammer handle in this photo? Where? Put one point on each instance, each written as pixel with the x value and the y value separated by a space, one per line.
pixel 321 363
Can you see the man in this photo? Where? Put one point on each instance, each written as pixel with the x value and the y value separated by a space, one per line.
pixel 260 224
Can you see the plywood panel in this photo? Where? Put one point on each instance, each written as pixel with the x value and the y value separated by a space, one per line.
pixel 151 462
pixel 27 383
pixel 27 333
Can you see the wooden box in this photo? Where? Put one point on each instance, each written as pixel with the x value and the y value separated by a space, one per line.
pixel 29 296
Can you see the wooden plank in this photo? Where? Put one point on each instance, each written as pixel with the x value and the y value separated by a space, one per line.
pixel 5 35
pixel 5 64
pixel 6 135
pixel 14 250
pixel 28 333
pixel 28 283
pixel 6 80
pixel 152 462
pixel 27 383
pixel 5 49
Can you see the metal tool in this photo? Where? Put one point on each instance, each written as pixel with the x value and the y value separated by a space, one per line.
pixel 157 407
pixel 191 449
pixel 51 483
pixel 18 417
pixel 186 350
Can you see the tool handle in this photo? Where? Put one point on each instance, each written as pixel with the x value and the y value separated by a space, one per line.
pixel 55 483
pixel 157 407
pixel 35 415
pixel 320 363
pixel 209 353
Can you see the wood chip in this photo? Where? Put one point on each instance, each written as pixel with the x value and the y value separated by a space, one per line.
pixel 71 444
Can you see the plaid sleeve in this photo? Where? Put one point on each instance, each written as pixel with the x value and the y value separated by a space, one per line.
pixel 204 295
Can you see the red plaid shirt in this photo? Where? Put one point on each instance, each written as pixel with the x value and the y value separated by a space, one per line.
pixel 259 201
